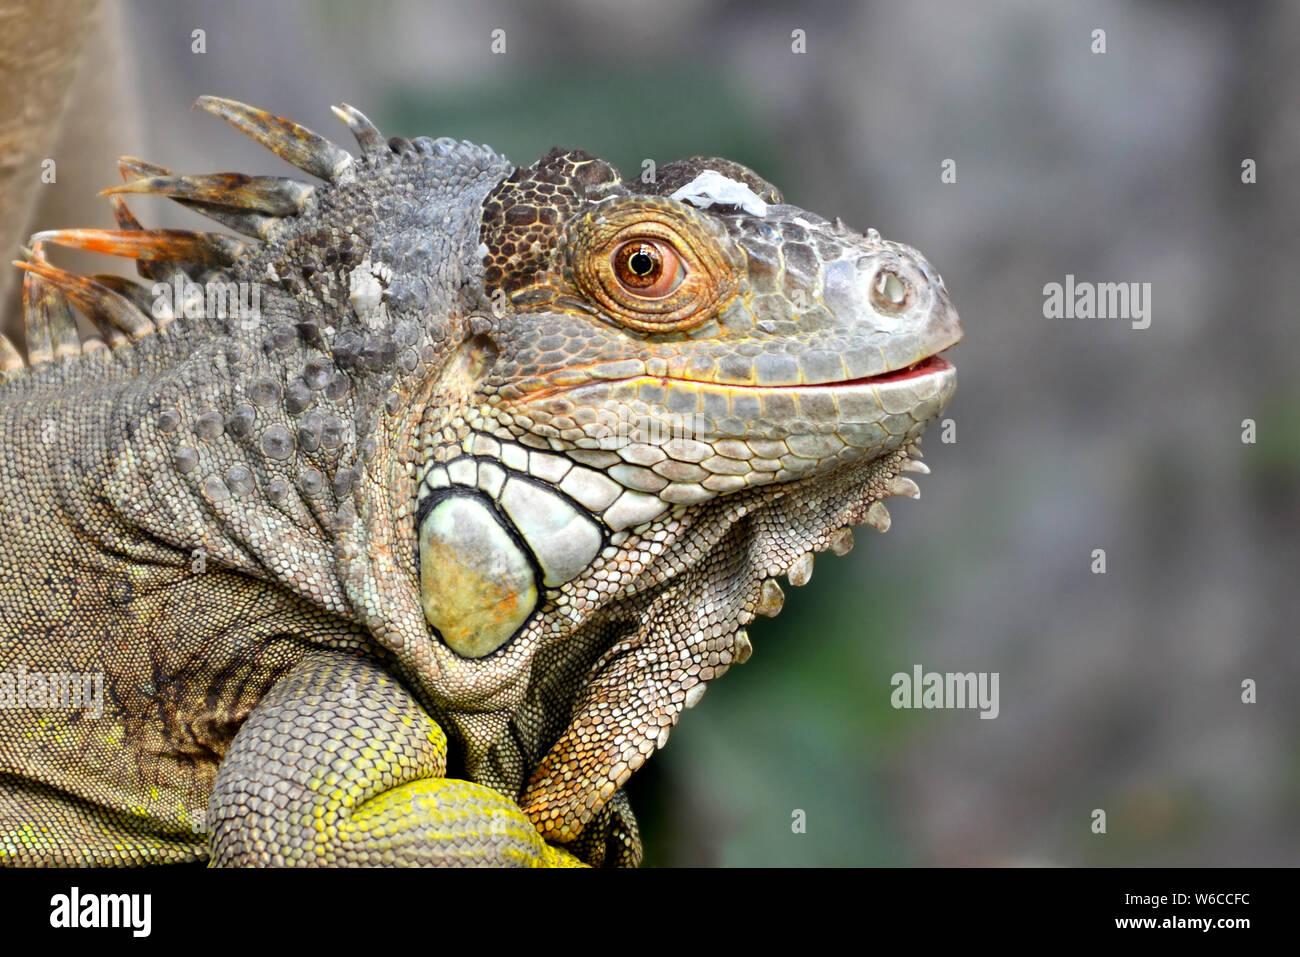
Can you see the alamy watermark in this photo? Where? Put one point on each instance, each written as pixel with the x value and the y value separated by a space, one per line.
pixel 54 690
pixel 184 298
pixel 1098 300
pixel 948 689
pixel 130 911
pixel 619 427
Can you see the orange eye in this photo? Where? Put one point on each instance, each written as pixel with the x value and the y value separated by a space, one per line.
pixel 652 264
pixel 647 268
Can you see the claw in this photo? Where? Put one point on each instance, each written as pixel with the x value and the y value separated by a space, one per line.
pixel 211 249
pixel 10 358
pixel 293 143
pixel 136 294
pixel 744 648
pixel 278 195
pixel 112 313
pixel 132 167
pixel 51 326
pixel 902 485
pixel 878 517
pixel 369 138
pixel 800 571
pixel 842 541
pixel 693 695
pixel 160 272
pixel 770 600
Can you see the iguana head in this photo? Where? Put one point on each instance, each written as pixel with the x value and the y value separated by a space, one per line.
pixel 710 385
pixel 582 424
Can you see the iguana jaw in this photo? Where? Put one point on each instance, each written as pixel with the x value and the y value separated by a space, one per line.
pixel 757 434
pixel 638 687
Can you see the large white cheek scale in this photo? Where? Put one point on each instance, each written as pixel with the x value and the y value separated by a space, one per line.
pixel 478 584
pixel 564 541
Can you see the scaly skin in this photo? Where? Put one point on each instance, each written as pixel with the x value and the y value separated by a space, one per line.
pixel 421 563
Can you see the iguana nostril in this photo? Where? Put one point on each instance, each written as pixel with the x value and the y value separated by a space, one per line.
pixel 888 291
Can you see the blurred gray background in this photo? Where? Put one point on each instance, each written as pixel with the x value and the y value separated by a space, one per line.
pixel 1119 691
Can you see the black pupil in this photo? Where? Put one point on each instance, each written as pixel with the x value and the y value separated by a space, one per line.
pixel 641 263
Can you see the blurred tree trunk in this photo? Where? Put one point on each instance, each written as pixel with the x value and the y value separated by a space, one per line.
pixel 63 96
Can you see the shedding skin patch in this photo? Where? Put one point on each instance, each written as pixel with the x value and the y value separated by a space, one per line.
pixel 711 188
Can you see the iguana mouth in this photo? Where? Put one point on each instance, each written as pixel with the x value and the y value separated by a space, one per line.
pixel 930 365
pixel 933 364
pixel 927 366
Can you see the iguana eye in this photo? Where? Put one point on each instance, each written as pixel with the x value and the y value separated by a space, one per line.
pixel 651 265
pixel 647 268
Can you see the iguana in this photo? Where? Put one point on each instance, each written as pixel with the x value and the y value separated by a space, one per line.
pixel 399 524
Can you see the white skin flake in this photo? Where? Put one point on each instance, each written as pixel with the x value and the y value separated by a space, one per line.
pixel 711 188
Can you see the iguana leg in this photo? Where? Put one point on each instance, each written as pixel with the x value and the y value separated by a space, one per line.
pixel 340 766
pixel 611 838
